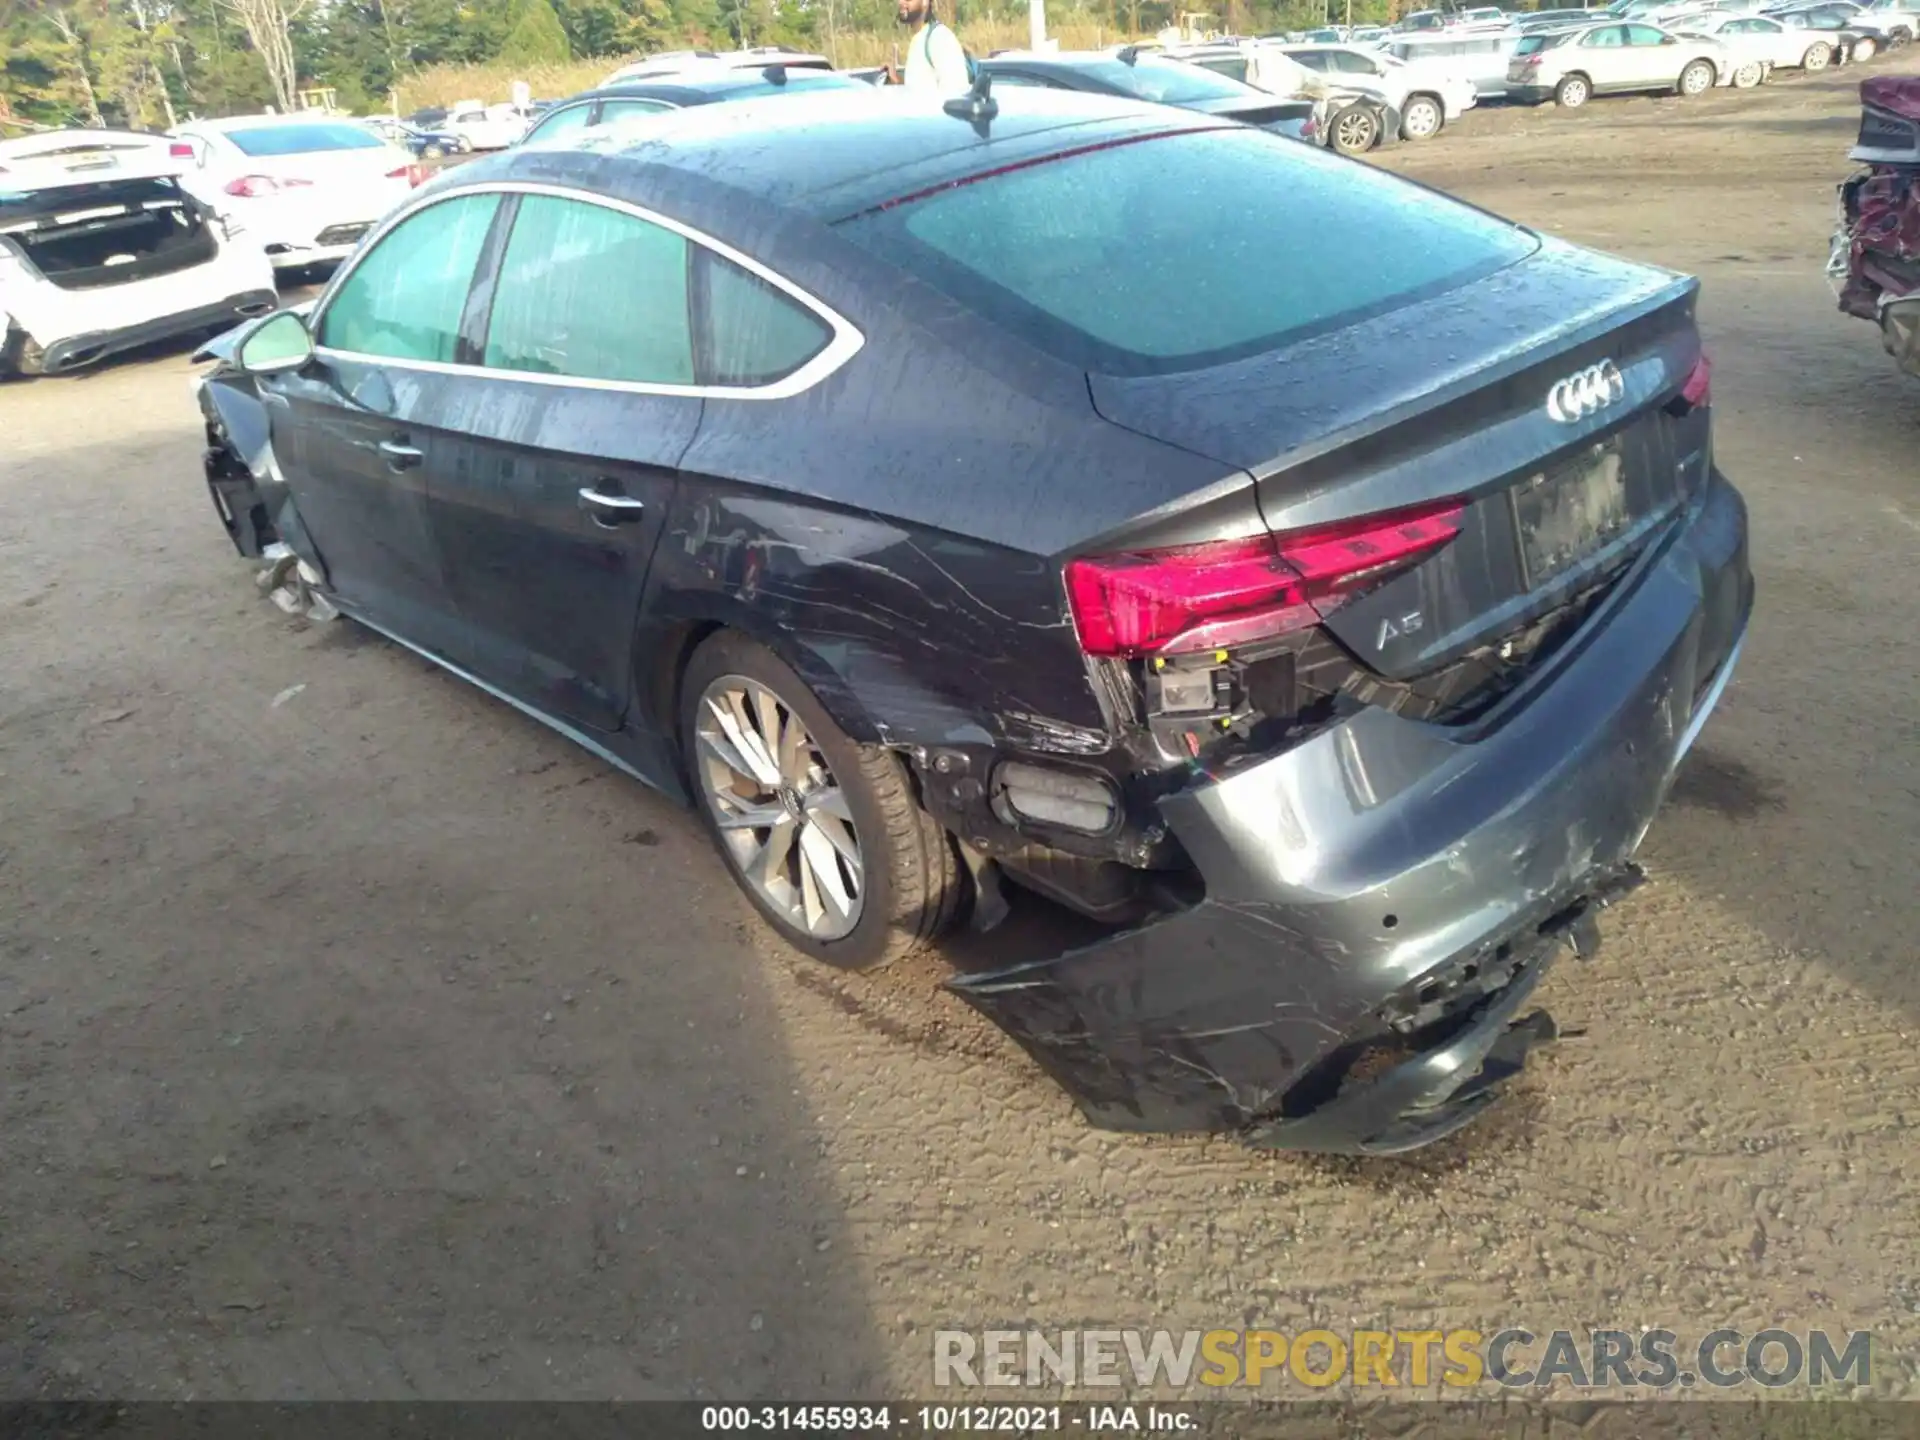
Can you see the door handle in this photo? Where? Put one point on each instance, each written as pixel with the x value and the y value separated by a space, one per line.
pixel 610 510
pixel 400 455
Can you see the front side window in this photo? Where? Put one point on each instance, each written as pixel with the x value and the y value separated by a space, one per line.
pixel 404 300
pixel 592 293
pixel 561 122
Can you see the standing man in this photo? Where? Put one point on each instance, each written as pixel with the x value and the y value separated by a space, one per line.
pixel 935 60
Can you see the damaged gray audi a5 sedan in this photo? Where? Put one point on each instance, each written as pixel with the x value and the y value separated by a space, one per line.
pixel 1023 488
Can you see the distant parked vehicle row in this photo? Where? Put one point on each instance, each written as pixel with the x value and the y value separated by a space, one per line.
pixel 1573 65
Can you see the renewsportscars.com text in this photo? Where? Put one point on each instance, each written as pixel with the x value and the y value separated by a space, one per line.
pixel 1416 1359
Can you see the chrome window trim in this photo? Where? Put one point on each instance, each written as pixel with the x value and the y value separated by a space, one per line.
pixel 844 342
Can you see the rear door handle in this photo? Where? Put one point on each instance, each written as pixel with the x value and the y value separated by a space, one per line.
pixel 400 455
pixel 610 510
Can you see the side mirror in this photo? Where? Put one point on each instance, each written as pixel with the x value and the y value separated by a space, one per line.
pixel 274 344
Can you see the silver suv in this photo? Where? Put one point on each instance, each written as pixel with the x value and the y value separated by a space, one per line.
pixel 1571 66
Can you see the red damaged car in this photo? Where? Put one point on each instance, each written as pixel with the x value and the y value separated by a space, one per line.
pixel 1875 260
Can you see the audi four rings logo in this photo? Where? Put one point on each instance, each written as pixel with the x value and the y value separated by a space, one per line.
pixel 1585 391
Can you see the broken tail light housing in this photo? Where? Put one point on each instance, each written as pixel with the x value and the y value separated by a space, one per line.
pixel 414 175
pixel 252 187
pixel 180 150
pixel 1231 592
pixel 1696 390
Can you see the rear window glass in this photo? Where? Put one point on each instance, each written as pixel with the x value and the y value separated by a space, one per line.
pixel 1534 44
pixel 303 139
pixel 1189 250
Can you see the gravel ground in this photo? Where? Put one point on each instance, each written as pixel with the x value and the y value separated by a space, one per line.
pixel 359 1038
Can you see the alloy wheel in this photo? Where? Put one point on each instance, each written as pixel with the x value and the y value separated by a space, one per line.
pixel 1422 120
pixel 1353 132
pixel 1816 58
pixel 1696 80
pixel 779 810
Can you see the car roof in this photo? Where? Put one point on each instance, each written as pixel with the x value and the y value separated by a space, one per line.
pixel 833 154
pixel 695 89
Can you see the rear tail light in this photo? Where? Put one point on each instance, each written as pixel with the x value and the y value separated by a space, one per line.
pixel 180 150
pixel 251 187
pixel 1697 389
pixel 414 175
pixel 1230 592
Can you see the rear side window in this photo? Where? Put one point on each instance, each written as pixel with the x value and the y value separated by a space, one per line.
pixel 591 293
pixel 1188 250
pixel 303 139
pixel 404 300
pixel 751 332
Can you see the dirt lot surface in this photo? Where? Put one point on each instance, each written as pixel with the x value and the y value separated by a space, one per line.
pixel 359 1038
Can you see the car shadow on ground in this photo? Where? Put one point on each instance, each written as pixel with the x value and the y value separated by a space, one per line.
pixel 330 1070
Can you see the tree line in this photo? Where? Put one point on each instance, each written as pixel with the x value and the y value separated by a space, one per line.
pixel 152 63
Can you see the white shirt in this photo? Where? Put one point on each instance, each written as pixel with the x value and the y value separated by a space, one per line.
pixel 936 61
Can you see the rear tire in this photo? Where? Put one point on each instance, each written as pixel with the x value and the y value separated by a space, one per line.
pixel 845 813
pixel 1864 49
pixel 1818 57
pixel 1572 92
pixel 1696 78
pixel 1423 118
pixel 1353 131
pixel 1749 75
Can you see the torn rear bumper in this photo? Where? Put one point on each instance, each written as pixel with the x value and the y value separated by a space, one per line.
pixel 78 351
pixel 1394 886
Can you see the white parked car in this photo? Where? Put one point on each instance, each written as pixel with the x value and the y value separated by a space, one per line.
pixel 1572 66
pixel 1426 99
pixel 487 127
pixel 102 248
pixel 305 188
pixel 1761 40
